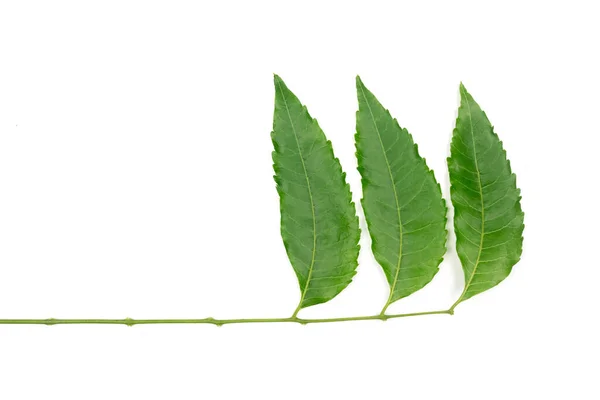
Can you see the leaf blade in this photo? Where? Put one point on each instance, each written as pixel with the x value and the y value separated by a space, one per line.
pixel 319 226
pixel 403 203
pixel 488 218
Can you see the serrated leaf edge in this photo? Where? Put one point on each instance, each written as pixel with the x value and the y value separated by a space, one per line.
pixel 304 289
pixel 365 182
pixel 466 95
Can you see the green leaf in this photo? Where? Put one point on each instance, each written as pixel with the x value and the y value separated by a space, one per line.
pixel 488 220
pixel 403 203
pixel 319 225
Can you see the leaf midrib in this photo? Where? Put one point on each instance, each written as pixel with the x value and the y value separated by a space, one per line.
pixel 312 205
pixel 400 230
pixel 476 264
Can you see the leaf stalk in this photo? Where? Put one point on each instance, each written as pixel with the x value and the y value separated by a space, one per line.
pixel 213 321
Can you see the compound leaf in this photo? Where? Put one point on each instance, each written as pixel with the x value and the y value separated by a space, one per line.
pixel 319 225
pixel 488 219
pixel 403 203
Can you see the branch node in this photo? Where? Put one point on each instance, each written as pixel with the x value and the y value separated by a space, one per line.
pixel 211 320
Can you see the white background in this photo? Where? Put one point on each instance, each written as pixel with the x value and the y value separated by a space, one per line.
pixel 136 181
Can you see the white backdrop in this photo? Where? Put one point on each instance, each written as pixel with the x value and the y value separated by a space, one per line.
pixel 136 181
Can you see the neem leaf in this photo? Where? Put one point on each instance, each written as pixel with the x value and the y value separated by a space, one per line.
pixel 319 225
pixel 403 203
pixel 488 220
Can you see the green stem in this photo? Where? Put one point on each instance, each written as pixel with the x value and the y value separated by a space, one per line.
pixel 218 322
pixel 451 309
pixel 297 310
pixel 387 304
pixel 384 309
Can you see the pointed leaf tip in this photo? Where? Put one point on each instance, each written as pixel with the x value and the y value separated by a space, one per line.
pixel 277 78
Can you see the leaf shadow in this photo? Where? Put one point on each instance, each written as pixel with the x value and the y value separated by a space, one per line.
pixel 451 256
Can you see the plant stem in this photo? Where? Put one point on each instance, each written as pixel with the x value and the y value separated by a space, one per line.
pixel 451 309
pixel 387 304
pixel 297 310
pixel 218 322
